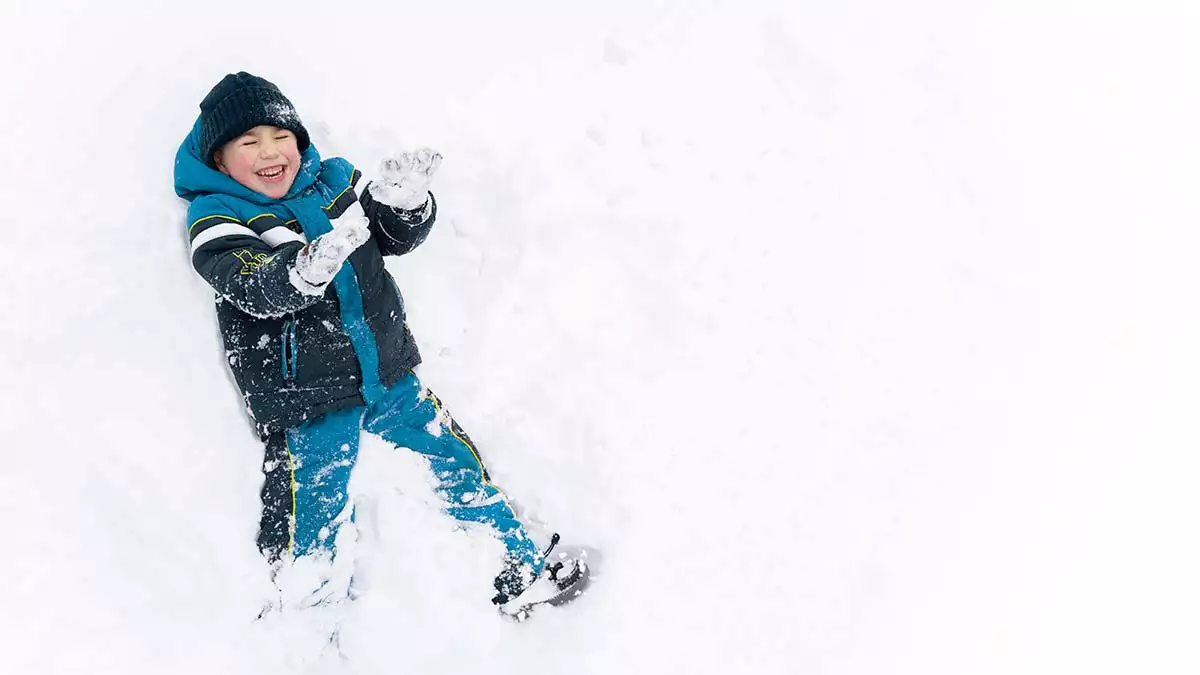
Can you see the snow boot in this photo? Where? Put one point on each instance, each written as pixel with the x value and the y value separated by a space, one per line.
pixel 564 577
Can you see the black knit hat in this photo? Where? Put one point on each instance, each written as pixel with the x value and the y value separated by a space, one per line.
pixel 239 103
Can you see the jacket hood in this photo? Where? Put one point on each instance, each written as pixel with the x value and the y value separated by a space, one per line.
pixel 194 178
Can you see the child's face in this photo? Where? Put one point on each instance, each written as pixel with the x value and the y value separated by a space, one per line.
pixel 264 159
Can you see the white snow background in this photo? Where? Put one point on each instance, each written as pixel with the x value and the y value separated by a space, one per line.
pixel 860 337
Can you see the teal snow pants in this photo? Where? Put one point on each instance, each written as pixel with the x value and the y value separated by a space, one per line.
pixel 308 468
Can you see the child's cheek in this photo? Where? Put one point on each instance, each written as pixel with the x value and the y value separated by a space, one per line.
pixel 244 169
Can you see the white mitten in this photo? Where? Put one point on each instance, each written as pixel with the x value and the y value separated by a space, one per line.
pixel 404 179
pixel 318 262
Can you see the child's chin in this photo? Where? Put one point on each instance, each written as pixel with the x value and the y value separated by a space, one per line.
pixel 275 190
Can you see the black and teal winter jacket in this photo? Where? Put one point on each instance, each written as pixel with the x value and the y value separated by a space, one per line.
pixel 297 356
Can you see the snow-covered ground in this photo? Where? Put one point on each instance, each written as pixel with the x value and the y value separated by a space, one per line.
pixel 860 337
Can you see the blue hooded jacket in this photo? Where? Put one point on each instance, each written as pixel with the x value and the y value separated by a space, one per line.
pixel 295 355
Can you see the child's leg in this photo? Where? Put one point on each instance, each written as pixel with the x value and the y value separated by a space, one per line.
pixel 410 416
pixel 275 527
pixel 304 494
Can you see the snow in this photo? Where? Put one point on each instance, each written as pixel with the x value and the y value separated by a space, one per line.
pixel 859 338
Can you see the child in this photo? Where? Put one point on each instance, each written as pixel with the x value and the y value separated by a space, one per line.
pixel 315 332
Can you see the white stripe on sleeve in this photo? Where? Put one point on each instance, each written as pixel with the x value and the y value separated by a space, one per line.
pixel 222 230
pixel 280 235
pixel 352 212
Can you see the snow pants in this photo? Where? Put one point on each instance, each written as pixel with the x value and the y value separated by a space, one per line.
pixel 307 470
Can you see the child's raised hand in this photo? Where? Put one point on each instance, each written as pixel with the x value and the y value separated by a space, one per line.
pixel 357 229
pixel 404 178
pixel 319 260
pixel 418 165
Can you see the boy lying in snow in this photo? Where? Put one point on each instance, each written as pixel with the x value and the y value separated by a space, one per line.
pixel 315 332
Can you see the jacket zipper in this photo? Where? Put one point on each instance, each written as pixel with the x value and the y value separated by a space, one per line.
pixel 295 348
pixel 287 350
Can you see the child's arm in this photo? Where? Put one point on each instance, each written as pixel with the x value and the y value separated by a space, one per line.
pixel 257 278
pixel 400 206
pixel 398 230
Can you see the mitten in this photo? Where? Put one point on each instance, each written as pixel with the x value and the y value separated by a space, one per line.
pixel 404 179
pixel 320 259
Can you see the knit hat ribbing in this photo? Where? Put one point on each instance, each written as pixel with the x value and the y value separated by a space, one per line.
pixel 239 103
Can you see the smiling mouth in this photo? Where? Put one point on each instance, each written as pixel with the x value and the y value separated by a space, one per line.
pixel 273 173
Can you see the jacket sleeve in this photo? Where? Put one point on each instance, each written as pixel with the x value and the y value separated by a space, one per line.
pixel 395 230
pixel 243 268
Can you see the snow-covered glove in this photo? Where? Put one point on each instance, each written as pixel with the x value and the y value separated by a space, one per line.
pixel 320 259
pixel 404 179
